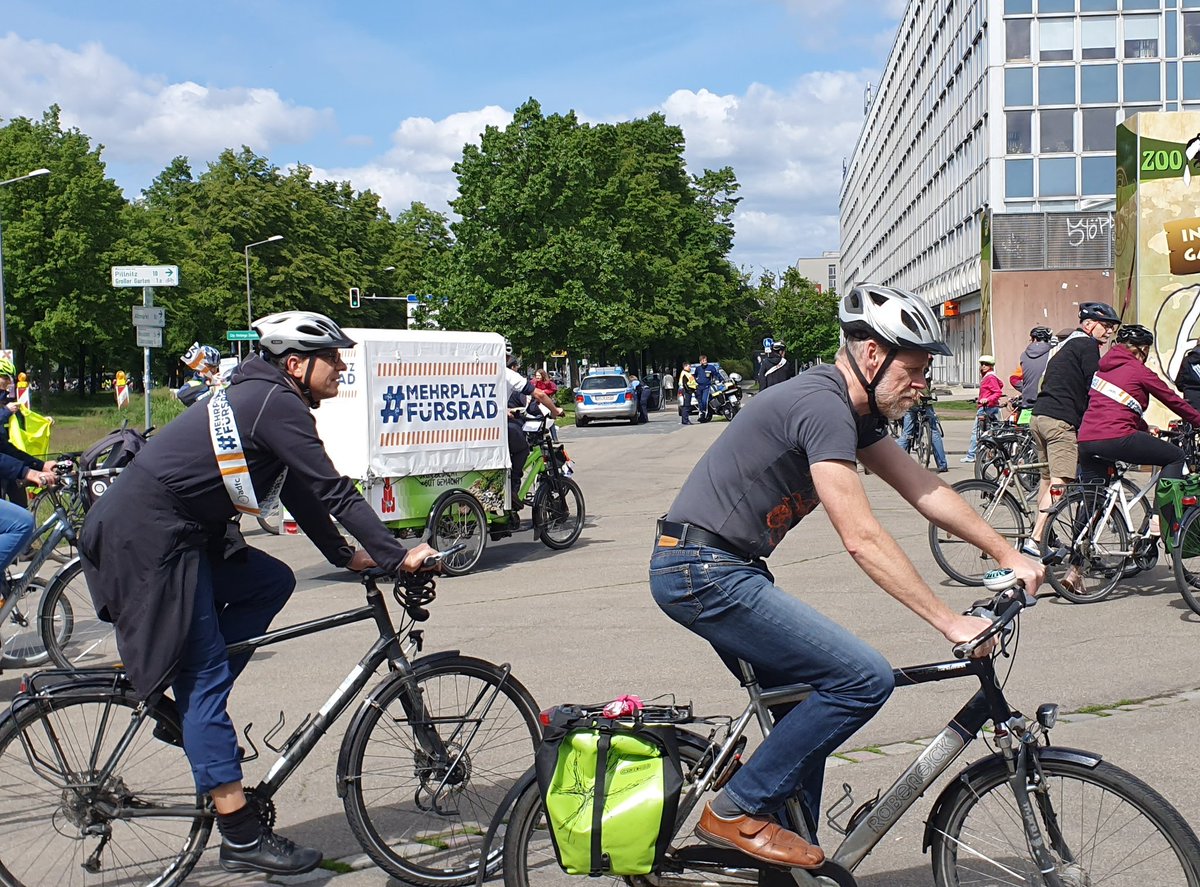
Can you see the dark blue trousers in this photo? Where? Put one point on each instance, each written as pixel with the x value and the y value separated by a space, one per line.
pixel 233 601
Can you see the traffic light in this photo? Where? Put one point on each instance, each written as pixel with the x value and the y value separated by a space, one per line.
pixel 353 297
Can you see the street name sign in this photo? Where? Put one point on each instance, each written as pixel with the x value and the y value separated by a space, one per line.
pixel 143 316
pixel 149 336
pixel 241 336
pixel 145 275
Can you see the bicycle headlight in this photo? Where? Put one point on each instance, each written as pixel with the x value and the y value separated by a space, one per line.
pixel 1047 715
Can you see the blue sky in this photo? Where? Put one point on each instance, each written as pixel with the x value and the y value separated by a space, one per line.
pixel 385 94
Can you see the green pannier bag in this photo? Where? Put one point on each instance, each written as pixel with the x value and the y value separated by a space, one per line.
pixel 1171 491
pixel 610 789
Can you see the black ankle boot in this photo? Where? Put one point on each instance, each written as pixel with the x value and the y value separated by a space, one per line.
pixel 272 854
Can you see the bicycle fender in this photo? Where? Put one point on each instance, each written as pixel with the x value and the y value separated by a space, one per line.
pixel 527 779
pixel 996 762
pixel 372 702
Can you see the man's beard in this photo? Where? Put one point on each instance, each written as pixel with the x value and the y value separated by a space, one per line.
pixel 894 403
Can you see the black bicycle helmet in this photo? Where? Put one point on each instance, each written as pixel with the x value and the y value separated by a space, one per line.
pixel 1135 334
pixel 1100 311
pixel 1041 334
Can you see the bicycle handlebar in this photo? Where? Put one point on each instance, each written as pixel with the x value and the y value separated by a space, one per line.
pixel 1002 609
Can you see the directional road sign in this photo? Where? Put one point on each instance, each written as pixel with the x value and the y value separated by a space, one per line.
pixel 145 275
pixel 241 336
pixel 151 316
pixel 149 336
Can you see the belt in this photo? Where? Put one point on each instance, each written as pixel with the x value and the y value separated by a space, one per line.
pixel 672 535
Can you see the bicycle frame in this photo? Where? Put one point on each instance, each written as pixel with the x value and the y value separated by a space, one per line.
pixel 987 704
pixel 1115 495
pixel 58 527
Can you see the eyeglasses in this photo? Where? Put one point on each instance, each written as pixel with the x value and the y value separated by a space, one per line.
pixel 333 356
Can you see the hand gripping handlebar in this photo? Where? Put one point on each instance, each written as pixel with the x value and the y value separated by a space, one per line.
pixel 1002 608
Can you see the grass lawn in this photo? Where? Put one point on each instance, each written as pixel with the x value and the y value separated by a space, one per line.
pixel 80 421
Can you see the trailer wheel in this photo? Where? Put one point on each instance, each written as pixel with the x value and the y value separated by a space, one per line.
pixel 458 517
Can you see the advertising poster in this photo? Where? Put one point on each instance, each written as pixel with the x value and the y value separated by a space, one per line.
pixel 1158 235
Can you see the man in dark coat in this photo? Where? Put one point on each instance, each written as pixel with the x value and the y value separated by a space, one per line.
pixel 774 368
pixel 167 567
pixel 1188 377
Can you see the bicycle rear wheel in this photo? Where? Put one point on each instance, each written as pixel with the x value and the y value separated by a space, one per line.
pixel 959 559
pixel 421 815
pixel 1098 551
pixel 64 824
pixel 924 443
pixel 19 635
pixel 558 512
pixel 529 859
pixel 73 634
pixel 1185 560
pixel 1101 826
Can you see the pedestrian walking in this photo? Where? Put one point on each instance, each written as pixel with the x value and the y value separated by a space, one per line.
pixel 668 384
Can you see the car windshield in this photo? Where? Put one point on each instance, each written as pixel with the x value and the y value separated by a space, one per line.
pixel 595 383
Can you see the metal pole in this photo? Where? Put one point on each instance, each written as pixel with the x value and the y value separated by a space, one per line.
pixel 147 301
pixel 3 314
pixel 249 318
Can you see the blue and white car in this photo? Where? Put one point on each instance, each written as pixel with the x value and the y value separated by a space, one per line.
pixel 604 394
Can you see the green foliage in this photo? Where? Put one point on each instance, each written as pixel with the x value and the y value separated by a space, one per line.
pixel 794 312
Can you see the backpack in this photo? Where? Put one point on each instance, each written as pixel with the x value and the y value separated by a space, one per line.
pixel 610 790
pixel 100 463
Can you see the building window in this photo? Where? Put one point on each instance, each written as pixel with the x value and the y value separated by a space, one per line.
pixel 1099 129
pixel 1097 5
pixel 1018 178
pixel 1191 33
pixel 1099 175
pixel 1056 40
pixel 1142 82
pixel 1057 131
pixel 1016 40
pixel 1020 132
pixel 1098 37
pixel 1045 6
pixel 1018 7
pixel 1056 176
pixel 1191 81
pixel 1018 86
pixel 1056 85
pixel 1141 36
pixel 1143 4
pixel 1097 83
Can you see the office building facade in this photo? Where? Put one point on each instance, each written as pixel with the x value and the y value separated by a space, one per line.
pixel 1006 110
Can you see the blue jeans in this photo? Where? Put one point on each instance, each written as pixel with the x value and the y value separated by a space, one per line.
pixel 736 606
pixel 980 415
pixel 703 393
pixel 910 426
pixel 16 529
pixel 233 601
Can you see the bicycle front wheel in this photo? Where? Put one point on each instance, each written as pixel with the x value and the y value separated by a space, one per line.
pixel 72 632
pixel 959 559
pixel 421 812
pixel 529 859
pixel 558 512
pixel 1095 549
pixel 1185 560
pixel 65 822
pixel 1101 825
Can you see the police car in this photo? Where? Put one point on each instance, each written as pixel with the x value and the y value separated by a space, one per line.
pixel 604 394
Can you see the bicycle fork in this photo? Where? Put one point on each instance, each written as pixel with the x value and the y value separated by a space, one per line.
pixel 1027 782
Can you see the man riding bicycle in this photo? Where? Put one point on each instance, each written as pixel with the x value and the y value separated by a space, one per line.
pixel 165 562
pixel 797 447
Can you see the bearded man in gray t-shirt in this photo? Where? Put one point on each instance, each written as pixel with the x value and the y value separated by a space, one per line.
pixel 794 447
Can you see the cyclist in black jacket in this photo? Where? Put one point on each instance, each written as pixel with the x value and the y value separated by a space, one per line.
pixel 166 565
pixel 1059 405
pixel 1188 377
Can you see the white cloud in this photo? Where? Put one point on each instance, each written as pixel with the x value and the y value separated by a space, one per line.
pixel 140 118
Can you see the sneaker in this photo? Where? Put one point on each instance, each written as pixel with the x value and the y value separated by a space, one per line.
pixel 1031 549
pixel 967 459
pixel 942 469
pixel 271 854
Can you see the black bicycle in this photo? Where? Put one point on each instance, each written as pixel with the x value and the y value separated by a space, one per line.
pixel 1029 813
pixel 94 780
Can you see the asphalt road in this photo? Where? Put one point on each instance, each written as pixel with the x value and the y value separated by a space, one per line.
pixel 580 625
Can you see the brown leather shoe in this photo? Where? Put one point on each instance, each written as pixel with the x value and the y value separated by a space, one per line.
pixel 1074 582
pixel 763 839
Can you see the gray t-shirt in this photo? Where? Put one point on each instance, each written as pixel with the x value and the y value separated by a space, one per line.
pixel 754 483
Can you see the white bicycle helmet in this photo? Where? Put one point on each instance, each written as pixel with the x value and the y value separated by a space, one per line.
pixel 300 332
pixel 893 316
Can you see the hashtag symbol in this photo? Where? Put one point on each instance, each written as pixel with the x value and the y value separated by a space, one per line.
pixel 392 398
pixel 226 442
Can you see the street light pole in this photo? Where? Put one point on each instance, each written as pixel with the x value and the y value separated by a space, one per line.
pixel 249 310
pixel 3 312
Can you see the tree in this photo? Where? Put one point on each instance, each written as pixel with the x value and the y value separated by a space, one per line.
pixel 593 239
pixel 795 312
